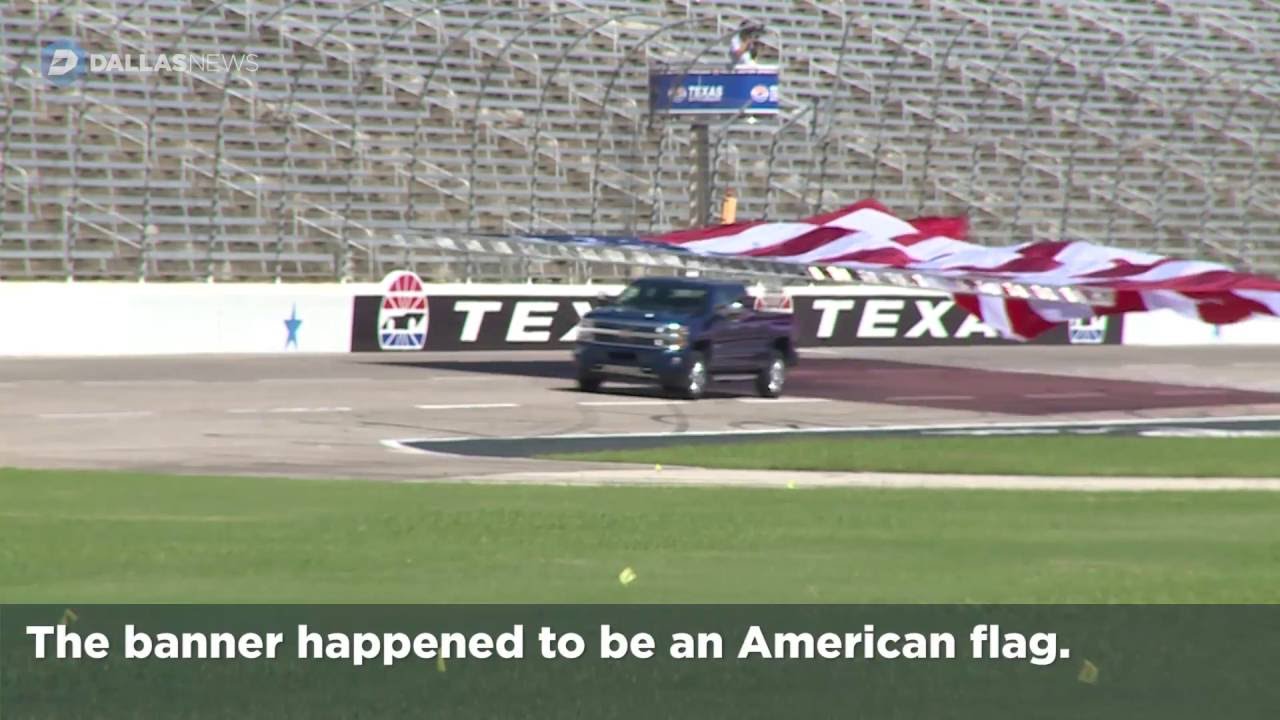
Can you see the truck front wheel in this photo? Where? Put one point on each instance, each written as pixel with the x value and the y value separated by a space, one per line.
pixel 772 377
pixel 588 382
pixel 693 384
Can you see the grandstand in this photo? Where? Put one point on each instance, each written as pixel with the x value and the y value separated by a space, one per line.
pixel 367 127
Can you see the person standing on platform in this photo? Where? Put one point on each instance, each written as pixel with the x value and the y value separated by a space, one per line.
pixel 743 44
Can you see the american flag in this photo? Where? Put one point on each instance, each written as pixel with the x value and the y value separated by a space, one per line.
pixel 867 236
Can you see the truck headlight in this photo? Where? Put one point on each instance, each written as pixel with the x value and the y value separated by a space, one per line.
pixel 586 328
pixel 671 336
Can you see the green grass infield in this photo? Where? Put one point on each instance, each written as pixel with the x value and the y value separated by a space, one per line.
pixel 1092 456
pixel 77 537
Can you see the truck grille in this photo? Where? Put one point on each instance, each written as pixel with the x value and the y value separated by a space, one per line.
pixel 637 335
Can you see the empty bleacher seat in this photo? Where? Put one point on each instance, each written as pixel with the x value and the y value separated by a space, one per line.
pixel 359 125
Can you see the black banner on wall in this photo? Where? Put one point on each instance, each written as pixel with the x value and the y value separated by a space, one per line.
pixel 407 317
pixel 473 322
pixel 906 321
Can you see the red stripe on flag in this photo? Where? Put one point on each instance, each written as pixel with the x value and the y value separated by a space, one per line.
pixel 800 244
pixel 1045 249
pixel 1126 301
pixel 969 303
pixel 681 237
pixel 1022 264
pixel 1024 320
pixel 1225 308
pixel 956 228
pixel 888 257
pixel 1124 268
pixel 834 215
pixel 1220 281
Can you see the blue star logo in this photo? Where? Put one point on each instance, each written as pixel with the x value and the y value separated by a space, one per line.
pixel 292 323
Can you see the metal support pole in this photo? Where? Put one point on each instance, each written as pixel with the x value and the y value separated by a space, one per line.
pixel 702 176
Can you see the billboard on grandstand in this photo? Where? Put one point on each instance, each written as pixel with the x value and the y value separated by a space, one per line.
pixel 750 90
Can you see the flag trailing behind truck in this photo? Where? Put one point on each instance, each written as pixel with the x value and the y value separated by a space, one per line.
pixel 1024 292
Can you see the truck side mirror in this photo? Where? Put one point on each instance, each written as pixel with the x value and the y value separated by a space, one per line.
pixel 603 299
pixel 731 310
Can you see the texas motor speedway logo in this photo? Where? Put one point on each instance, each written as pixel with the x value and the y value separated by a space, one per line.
pixel 402 314
pixel 395 320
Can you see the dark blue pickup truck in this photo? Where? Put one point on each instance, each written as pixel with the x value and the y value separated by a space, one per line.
pixel 682 334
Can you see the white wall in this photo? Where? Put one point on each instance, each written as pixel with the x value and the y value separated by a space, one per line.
pixel 86 319
pixel 81 319
pixel 62 319
pixel 1166 327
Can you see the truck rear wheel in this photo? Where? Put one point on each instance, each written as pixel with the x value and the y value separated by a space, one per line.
pixel 694 383
pixel 772 377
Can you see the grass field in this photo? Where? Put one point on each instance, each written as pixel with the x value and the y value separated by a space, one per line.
pixel 1019 455
pixel 101 537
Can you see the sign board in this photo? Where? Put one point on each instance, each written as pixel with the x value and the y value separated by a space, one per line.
pixel 749 90
pixel 417 316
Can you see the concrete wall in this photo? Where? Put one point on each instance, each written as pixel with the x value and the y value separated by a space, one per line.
pixel 86 319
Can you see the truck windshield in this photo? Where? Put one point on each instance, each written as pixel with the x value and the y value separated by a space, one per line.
pixel 663 297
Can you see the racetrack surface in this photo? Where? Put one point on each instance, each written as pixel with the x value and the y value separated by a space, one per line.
pixel 333 416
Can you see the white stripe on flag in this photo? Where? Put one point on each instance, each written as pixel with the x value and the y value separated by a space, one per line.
pixel 1268 299
pixel 750 239
pixel 995 315
pixel 874 222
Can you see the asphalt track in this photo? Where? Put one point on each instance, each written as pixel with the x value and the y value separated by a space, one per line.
pixel 361 416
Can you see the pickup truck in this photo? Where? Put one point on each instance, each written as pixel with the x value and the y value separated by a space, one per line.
pixel 683 334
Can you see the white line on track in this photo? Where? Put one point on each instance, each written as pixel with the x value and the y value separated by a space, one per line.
pixel 130 383
pixel 116 415
pixel 307 380
pixel 1190 392
pixel 1081 424
pixel 685 476
pixel 1063 395
pixel 781 400
pixel 288 410
pixel 397 446
pixel 624 403
pixel 468 406
pixel 926 398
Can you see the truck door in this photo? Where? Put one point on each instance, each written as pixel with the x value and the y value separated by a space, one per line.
pixel 733 335
pixel 756 332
